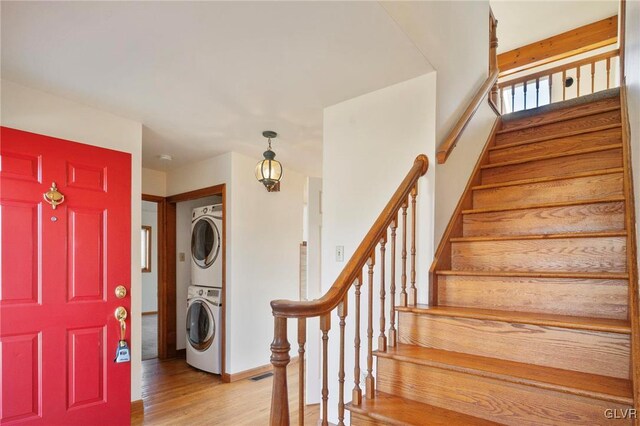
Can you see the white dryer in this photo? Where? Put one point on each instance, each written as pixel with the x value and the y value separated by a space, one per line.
pixel 203 328
pixel 206 246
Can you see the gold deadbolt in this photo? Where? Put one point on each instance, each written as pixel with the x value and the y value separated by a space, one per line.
pixel 121 292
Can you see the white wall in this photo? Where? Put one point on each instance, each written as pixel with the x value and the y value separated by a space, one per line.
pixel 183 268
pixel 452 177
pixel 154 182
pixel 314 284
pixel 205 173
pixel 632 71
pixel 370 143
pixel 264 231
pixel 150 279
pixel 266 236
pixel 40 112
pixel 454 36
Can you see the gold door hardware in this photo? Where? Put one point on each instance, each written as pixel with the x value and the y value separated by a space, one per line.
pixel 121 292
pixel 121 315
pixel 53 196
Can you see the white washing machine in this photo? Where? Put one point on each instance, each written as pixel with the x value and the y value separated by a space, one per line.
pixel 206 246
pixel 203 333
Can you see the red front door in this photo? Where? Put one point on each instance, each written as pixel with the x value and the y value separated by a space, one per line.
pixel 60 268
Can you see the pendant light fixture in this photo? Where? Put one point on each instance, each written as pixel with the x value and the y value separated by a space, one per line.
pixel 269 170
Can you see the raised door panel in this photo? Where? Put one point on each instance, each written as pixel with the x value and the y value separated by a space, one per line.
pixel 20 366
pixel 21 166
pixel 87 177
pixel 20 271
pixel 86 254
pixel 86 366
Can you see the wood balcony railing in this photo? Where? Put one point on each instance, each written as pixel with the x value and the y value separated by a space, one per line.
pixel 566 81
pixel 358 272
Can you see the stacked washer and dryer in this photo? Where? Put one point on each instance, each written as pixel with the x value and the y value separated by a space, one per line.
pixel 204 299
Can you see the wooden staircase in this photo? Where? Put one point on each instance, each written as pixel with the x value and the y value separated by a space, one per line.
pixel 529 317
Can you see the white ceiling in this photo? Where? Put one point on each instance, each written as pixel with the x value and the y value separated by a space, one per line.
pixel 205 78
pixel 525 22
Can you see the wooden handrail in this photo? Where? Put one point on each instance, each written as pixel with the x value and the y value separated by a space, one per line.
pixel 560 68
pixel 353 268
pixel 452 138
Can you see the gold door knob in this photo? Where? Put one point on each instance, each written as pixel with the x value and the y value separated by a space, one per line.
pixel 121 292
pixel 120 313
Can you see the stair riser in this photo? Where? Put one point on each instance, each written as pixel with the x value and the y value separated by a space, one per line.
pixel 577 350
pixel 595 120
pixel 554 167
pixel 573 143
pixel 361 420
pixel 601 254
pixel 597 217
pixel 491 399
pixel 573 189
pixel 562 296
pixel 566 113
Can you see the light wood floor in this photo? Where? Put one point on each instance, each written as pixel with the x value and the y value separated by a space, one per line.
pixel 174 393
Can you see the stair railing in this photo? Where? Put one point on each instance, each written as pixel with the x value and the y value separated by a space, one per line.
pixel 359 266
pixel 445 149
pixel 583 77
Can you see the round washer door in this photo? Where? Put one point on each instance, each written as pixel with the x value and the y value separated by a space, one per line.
pixel 205 242
pixel 201 327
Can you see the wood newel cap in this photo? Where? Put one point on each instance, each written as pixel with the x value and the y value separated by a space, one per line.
pixel 424 160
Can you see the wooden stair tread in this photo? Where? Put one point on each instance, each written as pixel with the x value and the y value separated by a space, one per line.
pixel 394 410
pixel 548 178
pixel 530 286
pixel 549 320
pixel 542 205
pixel 541 236
pixel 555 129
pixel 529 274
pixel 552 155
pixel 560 119
pixel 556 136
pixel 573 382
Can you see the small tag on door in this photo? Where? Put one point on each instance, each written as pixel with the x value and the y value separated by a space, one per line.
pixel 122 354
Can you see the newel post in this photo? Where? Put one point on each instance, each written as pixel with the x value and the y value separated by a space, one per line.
pixel 280 359
pixel 494 95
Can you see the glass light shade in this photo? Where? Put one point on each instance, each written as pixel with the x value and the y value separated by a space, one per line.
pixel 269 170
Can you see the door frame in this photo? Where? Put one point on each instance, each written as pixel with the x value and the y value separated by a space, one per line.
pixel 162 272
pixel 167 273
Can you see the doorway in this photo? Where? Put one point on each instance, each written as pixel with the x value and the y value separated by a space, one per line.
pixel 154 273
pixel 173 260
pixel 149 268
